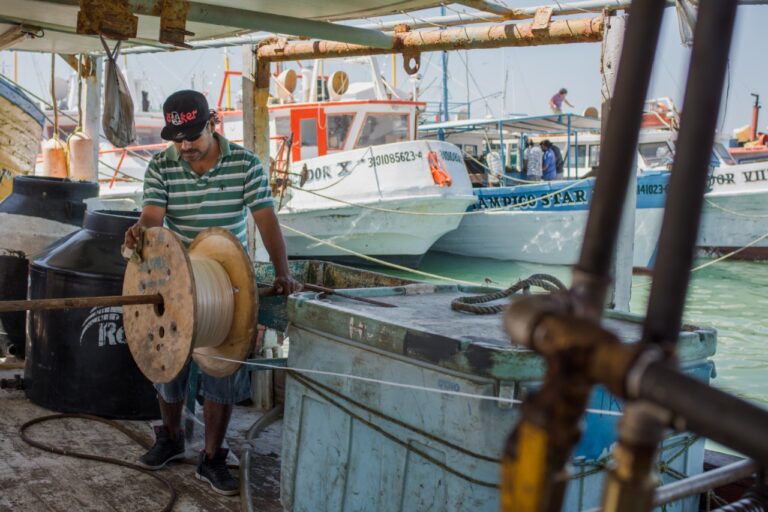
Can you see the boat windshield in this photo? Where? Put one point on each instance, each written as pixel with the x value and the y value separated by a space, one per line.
pixel 656 154
pixel 384 129
pixel 722 155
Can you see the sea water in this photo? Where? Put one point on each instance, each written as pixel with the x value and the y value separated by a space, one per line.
pixel 731 296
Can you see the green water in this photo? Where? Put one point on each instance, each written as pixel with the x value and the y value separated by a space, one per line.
pixel 731 296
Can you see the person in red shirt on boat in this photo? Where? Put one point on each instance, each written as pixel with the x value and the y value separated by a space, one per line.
pixel 556 101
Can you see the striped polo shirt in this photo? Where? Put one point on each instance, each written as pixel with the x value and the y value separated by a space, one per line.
pixel 218 198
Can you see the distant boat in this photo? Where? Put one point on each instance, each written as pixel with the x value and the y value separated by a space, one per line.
pixel 541 222
pixel 545 222
pixel 736 203
pixel 21 130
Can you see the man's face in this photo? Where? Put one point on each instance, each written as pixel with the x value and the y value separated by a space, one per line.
pixel 195 150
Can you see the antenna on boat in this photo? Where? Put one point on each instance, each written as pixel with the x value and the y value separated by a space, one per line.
pixel 378 86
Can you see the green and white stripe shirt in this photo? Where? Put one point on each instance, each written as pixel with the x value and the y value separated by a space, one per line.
pixel 218 198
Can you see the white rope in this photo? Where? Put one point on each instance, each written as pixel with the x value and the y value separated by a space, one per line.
pixel 733 212
pixel 214 302
pixel 716 260
pixel 378 261
pixel 306 371
pixel 446 214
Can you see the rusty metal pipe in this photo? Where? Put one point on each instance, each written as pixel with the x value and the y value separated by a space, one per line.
pixel 714 414
pixel 617 153
pixel 582 30
pixel 688 181
pixel 78 302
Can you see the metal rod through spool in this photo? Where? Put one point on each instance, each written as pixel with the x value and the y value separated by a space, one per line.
pixel 78 302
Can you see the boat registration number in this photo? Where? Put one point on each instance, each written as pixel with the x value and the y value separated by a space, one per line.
pixel 653 188
pixel 393 158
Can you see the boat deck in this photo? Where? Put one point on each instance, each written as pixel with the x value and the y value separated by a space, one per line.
pixel 35 480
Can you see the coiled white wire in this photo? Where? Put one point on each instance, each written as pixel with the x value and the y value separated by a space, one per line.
pixel 215 302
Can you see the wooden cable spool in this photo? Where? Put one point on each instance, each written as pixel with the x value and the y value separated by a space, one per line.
pixel 162 337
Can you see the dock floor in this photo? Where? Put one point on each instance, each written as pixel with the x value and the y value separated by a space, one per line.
pixel 35 480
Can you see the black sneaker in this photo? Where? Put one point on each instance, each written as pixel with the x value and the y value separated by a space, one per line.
pixel 164 451
pixel 215 472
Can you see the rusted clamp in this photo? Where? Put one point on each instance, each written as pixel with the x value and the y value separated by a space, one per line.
pixel 173 23
pixel 411 61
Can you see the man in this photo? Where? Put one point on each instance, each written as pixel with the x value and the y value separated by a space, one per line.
pixel 559 162
pixel 201 181
pixel 549 171
pixel 556 101
pixel 532 157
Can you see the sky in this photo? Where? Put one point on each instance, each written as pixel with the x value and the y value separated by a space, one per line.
pixel 495 82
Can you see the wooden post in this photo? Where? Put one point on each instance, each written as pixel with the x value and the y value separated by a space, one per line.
pixel 255 89
pixel 91 101
pixel 620 293
pixel 256 138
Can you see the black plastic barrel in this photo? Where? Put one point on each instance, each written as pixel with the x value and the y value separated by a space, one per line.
pixel 56 199
pixel 14 266
pixel 78 360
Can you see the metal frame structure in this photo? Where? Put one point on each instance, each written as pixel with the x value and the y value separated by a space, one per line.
pixel 565 329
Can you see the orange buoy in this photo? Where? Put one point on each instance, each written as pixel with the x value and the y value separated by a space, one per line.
pixel 81 164
pixel 439 173
pixel 55 159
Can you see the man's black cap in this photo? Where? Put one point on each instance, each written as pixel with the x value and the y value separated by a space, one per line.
pixel 186 114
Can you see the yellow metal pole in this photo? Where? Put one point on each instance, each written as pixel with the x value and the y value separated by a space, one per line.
pixel 394 70
pixel 226 78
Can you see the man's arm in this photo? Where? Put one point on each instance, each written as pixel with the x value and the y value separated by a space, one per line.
pixel 269 229
pixel 567 102
pixel 151 217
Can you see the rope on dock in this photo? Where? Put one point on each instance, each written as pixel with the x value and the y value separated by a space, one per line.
pixel 444 214
pixel 469 304
pixel 107 460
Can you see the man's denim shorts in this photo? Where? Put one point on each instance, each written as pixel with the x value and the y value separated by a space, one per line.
pixel 224 390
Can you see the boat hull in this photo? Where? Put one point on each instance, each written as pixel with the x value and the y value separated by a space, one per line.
pixel 736 212
pixel 401 238
pixel 21 129
pixel 351 201
pixel 549 226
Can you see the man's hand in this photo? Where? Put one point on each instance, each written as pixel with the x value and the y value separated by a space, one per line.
pixel 132 235
pixel 151 216
pixel 286 285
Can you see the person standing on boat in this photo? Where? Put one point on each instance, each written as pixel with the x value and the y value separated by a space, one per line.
pixel 556 101
pixel 549 163
pixel 200 181
pixel 559 162
pixel 532 157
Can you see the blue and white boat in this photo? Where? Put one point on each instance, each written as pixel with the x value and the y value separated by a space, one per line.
pixel 541 222
pixel 544 222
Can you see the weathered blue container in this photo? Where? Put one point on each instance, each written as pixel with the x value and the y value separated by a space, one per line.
pixel 360 445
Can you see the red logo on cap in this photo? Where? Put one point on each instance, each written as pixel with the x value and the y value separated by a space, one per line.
pixel 176 118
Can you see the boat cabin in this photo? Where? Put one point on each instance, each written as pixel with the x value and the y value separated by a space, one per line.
pixel 326 127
